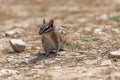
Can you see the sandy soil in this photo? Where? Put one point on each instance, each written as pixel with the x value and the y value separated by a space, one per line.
pixel 93 31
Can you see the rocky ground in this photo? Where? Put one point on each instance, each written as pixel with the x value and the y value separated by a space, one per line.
pixel 92 51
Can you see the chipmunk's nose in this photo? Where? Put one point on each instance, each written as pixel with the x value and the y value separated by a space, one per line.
pixel 40 33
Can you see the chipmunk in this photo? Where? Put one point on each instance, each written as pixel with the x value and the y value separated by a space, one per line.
pixel 52 40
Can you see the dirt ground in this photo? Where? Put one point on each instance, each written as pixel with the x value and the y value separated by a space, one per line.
pixel 93 31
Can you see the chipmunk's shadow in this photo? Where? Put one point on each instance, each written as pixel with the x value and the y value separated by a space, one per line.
pixel 41 56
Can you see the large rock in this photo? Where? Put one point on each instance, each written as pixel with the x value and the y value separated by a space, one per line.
pixel 17 45
pixel 115 54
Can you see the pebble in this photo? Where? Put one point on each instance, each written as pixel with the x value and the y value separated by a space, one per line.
pixel 106 63
pixel 103 17
pixel 14 32
pixel 8 72
pixel 1 46
pixel 77 33
pixel 99 32
pixel 115 30
pixel 27 56
pixel 118 65
pixel 115 54
pixel 39 66
pixel 2 35
pixel 18 45
pixel 10 58
pixel 61 53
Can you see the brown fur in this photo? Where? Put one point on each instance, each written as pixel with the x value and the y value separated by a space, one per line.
pixel 55 38
pixel 52 40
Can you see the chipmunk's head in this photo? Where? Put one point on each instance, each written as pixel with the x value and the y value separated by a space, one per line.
pixel 46 27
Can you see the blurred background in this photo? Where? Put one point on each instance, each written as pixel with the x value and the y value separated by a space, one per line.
pixel 78 13
pixel 93 34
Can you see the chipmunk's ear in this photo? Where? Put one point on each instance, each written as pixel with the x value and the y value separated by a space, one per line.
pixel 44 21
pixel 51 22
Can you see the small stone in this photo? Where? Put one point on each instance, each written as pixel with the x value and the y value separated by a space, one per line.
pixel 57 59
pixel 99 32
pixel 35 69
pixel 37 48
pixel 8 72
pixel 61 53
pixel 10 58
pixel 106 63
pixel 36 76
pixel 17 45
pixel 77 33
pixel 115 54
pixel 27 56
pixel 118 64
pixel 103 17
pixel 9 33
pixel 116 30
pixel 2 35
pixel 1 46
pixel 14 32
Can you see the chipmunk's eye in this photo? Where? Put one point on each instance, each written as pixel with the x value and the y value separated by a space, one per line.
pixel 47 27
